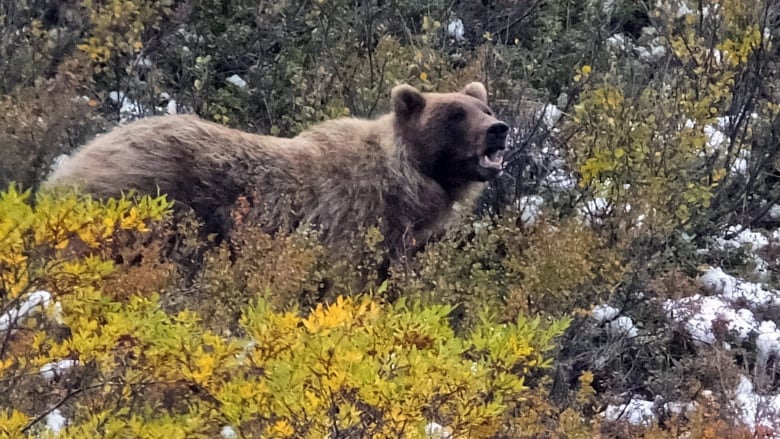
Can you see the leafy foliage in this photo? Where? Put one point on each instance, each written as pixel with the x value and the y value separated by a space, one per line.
pixel 378 370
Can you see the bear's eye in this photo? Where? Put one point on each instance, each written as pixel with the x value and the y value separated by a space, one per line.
pixel 489 113
pixel 456 115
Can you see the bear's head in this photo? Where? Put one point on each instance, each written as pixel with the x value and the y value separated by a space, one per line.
pixel 454 137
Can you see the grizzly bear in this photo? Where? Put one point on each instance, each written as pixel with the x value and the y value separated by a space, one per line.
pixel 404 171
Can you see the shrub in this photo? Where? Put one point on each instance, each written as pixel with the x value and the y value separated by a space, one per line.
pixel 119 364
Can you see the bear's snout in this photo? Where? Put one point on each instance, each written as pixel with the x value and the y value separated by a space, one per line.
pixel 496 135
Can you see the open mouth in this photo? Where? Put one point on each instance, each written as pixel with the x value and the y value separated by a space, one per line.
pixel 492 158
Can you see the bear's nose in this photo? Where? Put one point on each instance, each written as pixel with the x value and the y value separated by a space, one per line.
pixel 498 131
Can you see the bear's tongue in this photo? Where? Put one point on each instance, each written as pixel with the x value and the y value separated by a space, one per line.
pixel 492 159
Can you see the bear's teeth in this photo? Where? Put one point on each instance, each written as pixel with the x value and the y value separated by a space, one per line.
pixel 494 162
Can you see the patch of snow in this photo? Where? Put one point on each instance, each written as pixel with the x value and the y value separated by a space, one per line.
pixel 757 410
pixel 654 54
pixel 774 212
pixel 55 421
pixel 50 371
pixel 768 341
pixel 237 81
pixel 480 225
pixel 679 408
pixel 604 312
pixel 699 315
pixel 716 281
pixel 560 180
pixel 617 41
pixel 531 208
pixel 437 431
pixel 228 432
pixel 724 123
pixel 755 240
pixel 717 55
pixel 676 8
pixel 144 62
pixel 715 137
pixel 752 242
pixel 593 210
pixel 37 299
pixel 456 30
pixel 607 6
pixel 739 167
pixel 635 412
pixel 550 115
pixel 170 108
pixel 623 326
pixel 649 30
pixel 129 109
pixel 617 325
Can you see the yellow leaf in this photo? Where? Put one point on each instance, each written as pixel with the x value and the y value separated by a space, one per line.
pixel 718 174
pixel 586 70
pixel 281 429
pixel 424 76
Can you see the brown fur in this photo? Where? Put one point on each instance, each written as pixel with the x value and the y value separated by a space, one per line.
pixel 408 167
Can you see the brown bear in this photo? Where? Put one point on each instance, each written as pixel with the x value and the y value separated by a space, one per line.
pixel 403 171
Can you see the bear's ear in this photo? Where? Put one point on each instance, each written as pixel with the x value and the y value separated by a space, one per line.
pixel 407 101
pixel 476 90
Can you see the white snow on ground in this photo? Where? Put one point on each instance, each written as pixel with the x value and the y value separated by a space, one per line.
pixel 129 109
pixel 756 240
pixel 715 137
pixel 607 6
pixel 170 108
pixel 641 412
pixel 594 210
pixel 635 412
pixel 728 314
pixel 530 209
pixel 617 42
pixel 456 30
pixel 436 431
pixel 730 307
pixel 237 81
pixel 677 8
pixel 560 180
pixel 757 410
pixel 35 301
pixel 617 325
pixel 623 326
pixel 50 371
pixel 774 212
pixel 699 314
pixel 55 421
pixel 604 312
pixel 767 342
pixel 550 115
pixel 753 243
pixel 144 62
pixel 228 432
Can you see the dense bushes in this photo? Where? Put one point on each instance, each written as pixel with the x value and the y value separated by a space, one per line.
pixel 119 364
